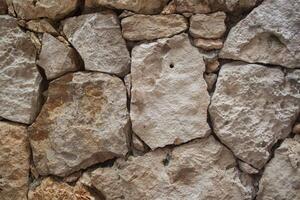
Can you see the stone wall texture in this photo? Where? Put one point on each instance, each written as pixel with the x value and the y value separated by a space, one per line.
pixel 149 100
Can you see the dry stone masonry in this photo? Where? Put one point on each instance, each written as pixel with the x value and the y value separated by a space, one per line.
pixel 149 100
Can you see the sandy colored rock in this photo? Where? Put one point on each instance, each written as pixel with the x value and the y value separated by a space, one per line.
pixel 199 170
pixel 210 26
pixel 83 122
pixel 270 34
pixel 19 77
pixel 169 96
pixel 127 81
pixel 149 27
pixel 50 189
pixel 296 129
pixel 41 26
pixel 32 9
pixel 281 177
pixel 254 106
pixel 210 79
pixel 208 44
pixel 137 145
pixel 247 168
pixel 3 7
pixel 98 39
pixel 14 162
pixel 137 6
pixel 56 58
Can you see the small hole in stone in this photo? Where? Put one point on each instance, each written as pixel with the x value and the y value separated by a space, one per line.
pixel 171 65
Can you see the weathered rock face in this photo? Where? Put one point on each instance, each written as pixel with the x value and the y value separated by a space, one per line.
pixel 84 121
pixel 270 34
pixel 210 26
pixel 49 189
pixel 208 44
pixel 19 77
pixel 281 178
pixel 56 58
pixel 40 26
pixel 203 169
pixel 32 9
pixel 98 39
pixel 14 162
pixel 138 6
pixel 168 90
pixel 149 27
pixel 252 107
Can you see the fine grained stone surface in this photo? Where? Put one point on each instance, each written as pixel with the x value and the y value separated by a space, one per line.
pixel 50 189
pixel 32 9
pixel 253 107
pixel 270 34
pixel 210 26
pixel 84 121
pixel 149 27
pixel 98 39
pixel 281 177
pixel 138 6
pixel 169 95
pixel 203 169
pixel 56 58
pixel 14 162
pixel 19 77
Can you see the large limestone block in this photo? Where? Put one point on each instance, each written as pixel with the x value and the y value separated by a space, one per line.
pixel 98 39
pixel 14 162
pixel 33 9
pixel 253 107
pixel 57 58
pixel 149 27
pixel 270 34
pixel 19 77
pixel 203 169
pixel 84 121
pixel 281 178
pixel 169 98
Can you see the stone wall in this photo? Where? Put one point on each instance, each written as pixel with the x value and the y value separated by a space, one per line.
pixel 149 100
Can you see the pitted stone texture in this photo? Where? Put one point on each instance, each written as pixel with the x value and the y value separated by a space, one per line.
pixel 281 177
pixel 270 34
pixel 56 58
pixel 84 121
pixel 149 27
pixel 169 96
pixel 33 9
pixel 137 6
pixel 19 76
pixel 49 189
pixel 203 169
pixel 210 26
pixel 14 162
pixel 98 39
pixel 253 107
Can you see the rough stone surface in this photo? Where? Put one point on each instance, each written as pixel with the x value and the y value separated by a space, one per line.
pixel 14 162
pixel 19 77
pixel 41 26
pixel 247 168
pixel 138 6
pixel 149 27
pixel 127 81
pixel 199 170
pixel 270 34
pixel 3 7
pixel 49 189
pixel 32 9
pixel 169 95
pixel 56 58
pixel 210 26
pixel 84 121
pixel 210 79
pixel 98 39
pixel 208 44
pixel 253 107
pixel 281 178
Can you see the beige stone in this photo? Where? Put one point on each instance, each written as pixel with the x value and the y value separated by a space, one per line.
pixel 149 27
pixel 247 168
pixel 98 39
pixel 210 26
pixel 83 122
pixel 210 79
pixel 296 129
pixel 127 81
pixel 19 77
pixel 56 58
pixel 254 106
pixel 14 162
pixel 41 26
pixel 169 97
pixel 208 44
